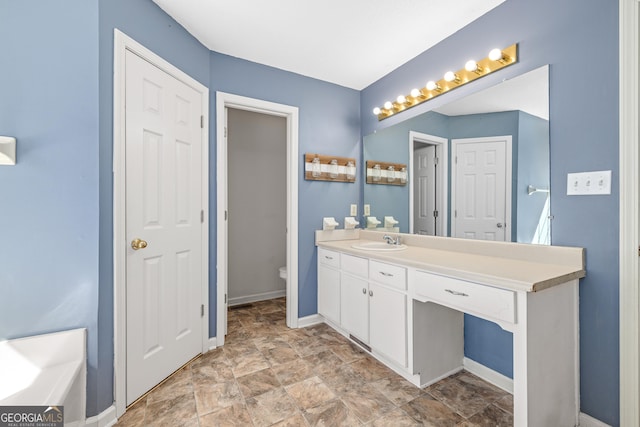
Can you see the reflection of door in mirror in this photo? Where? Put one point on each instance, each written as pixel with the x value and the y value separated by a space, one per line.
pixel 428 184
pixel 481 189
pixel 424 190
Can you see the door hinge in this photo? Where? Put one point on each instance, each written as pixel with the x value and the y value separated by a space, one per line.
pixel 455 213
pixel 225 215
pixel 202 216
pixel 225 131
pixel 202 310
pixel 436 160
pixel 201 122
pixel 456 160
pixel 435 214
pixel 225 298
pixel 638 250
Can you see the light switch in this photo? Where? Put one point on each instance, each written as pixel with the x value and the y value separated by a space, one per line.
pixel 589 183
pixel 354 210
pixel 367 210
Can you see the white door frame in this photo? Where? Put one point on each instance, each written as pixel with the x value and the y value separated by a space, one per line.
pixel 123 43
pixel 629 13
pixel 227 100
pixel 442 151
pixel 508 176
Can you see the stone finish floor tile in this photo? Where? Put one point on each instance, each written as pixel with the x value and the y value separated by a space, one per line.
pixel 431 412
pixel 271 407
pixel 258 383
pixel 269 375
pixel 310 392
pixel 333 413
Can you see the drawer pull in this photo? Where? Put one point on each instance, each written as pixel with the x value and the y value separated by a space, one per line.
pixel 386 274
pixel 364 290
pixel 460 294
pixel 370 293
pixel 328 257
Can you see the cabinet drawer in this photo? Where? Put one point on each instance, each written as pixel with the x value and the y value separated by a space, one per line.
pixel 388 274
pixel 328 257
pixel 466 296
pixel 355 265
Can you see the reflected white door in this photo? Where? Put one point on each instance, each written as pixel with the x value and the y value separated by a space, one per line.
pixel 480 188
pixel 163 209
pixel 424 167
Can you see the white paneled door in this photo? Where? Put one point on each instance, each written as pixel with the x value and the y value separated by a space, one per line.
pixel 425 190
pixel 163 224
pixel 480 190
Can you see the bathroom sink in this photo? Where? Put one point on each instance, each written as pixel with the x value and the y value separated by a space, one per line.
pixel 378 246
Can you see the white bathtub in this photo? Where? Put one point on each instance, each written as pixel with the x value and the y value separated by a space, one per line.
pixel 47 370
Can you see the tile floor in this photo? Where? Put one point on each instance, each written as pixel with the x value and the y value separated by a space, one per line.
pixel 269 375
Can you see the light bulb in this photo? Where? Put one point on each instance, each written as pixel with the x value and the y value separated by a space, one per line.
pixel 415 93
pixel 376 111
pixel 471 65
pixel 401 99
pixel 388 105
pixel 431 85
pixel 495 55
pixel 450 76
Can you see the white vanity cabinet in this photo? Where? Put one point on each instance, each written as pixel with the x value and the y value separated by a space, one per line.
pixel 388 311
pixel 354 297
pixel 409 305
pixel 329 285
pixel 372 302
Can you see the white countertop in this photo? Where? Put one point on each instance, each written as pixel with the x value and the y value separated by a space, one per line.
pixel 528 268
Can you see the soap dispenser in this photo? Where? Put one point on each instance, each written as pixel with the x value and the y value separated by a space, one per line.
pixel 372 222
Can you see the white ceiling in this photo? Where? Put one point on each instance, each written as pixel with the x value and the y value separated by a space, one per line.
pixel 527 92
pixel 351 43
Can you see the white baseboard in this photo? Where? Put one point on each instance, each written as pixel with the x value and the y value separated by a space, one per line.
pixel 488 374
pixel 257 297
pixel 588 421
pixel 314 319
pixel 106 418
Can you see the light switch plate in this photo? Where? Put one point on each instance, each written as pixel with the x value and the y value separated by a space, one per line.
pixel 367 210
pixel 354 210
pixel 589 183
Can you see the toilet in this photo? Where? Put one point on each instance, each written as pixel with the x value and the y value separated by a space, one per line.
pixel 283 272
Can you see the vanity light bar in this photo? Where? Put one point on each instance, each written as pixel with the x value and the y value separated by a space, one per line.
pixel 497 60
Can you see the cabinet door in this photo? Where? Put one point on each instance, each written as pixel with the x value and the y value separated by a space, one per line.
pixel 354 309
pixel 388 323
pixel 329 293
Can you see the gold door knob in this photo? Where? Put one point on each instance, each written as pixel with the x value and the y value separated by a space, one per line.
pixel 138 244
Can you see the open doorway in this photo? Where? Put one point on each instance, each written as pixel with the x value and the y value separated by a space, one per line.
pixel 257 206
pixel 255 219
pixel 428 185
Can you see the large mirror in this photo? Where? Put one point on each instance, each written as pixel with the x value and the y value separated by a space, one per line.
pixel 477 167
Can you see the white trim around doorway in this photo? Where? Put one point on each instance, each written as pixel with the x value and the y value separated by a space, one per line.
pixel 629 12
pixel 227 100
pixel 122 44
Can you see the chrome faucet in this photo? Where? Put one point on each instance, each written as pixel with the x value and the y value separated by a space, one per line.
pixel 390 240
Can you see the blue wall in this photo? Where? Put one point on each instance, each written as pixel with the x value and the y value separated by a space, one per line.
pixel 49 212
pixel 533 169
pixel 583 137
